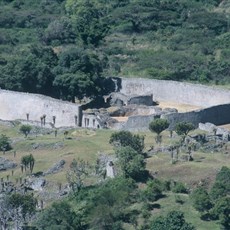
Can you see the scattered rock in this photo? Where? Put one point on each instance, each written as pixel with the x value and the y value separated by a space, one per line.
pixel 36 184
pixel 58 145
pixel 6 164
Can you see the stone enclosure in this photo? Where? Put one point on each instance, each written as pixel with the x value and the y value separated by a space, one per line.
pixel 132 106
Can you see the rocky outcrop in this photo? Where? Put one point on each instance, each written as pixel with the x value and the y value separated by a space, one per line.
pixel 55 168
pixel 6 164
pixel 36 184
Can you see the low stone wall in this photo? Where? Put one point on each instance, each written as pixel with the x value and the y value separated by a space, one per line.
pixel 180 92
pixel 15 105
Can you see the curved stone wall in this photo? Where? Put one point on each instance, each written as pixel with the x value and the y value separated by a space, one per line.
pixel 185 93
pixel 15 105
pixel 216 102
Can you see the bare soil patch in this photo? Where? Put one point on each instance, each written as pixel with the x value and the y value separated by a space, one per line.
pixel 180 107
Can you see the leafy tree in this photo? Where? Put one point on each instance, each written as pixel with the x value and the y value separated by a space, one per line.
pixel 221 186
pixel 28 161
pixel 153 191
pixel 201 200
pixel 33 73
pixel 25 129
pixel 179 187
pixel 59 216
pixel 59 31
pixel 218 190
pixel 131 162
pixel 157 126
pixel 109 202
pixel 5 143
pixel 221 210
pixel 79 169
pixel 78 74
pixel 183 128
pixel 173 221
pixel 89 21
pixel 126 138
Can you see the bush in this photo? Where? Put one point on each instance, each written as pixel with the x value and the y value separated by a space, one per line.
pixel 5 143
pixel 179 188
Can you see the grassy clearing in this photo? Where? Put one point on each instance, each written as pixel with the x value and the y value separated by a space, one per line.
pixel 88 144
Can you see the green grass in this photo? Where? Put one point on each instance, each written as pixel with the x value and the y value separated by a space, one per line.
pixel 191 215
pixel 88 144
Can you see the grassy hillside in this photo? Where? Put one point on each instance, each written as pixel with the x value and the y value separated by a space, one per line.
pixel 88 144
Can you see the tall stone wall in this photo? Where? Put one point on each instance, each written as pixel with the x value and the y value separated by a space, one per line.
pixel 185 93
pixel 218 115
pixel 15 105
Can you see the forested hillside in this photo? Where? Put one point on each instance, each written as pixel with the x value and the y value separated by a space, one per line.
pixel 65 48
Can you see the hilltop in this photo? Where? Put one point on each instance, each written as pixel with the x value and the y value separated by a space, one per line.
pixel 65 48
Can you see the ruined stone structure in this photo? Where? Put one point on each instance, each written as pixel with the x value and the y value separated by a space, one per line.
pixel 45 110
pixel 216 102
pixel 186 93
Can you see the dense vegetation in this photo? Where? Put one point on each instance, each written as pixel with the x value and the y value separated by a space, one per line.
pixel 64 48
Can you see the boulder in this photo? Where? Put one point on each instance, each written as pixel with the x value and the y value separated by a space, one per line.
pixel 36 184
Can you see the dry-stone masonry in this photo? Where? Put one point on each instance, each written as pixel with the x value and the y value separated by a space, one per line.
pixel 45 110
pixel 185 93
pixel 216 102
pixel 15 105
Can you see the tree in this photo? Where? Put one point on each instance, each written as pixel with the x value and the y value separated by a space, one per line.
pixel 201 200
pixel 5 143
pixel 183 128
pixel 126 138
pixel 109 202
pixel 25 129
pixel 173 221
pixel 221 211
pixel 131 162
pixel 79 74
pixel 22 208
pixel 28 161
pixel 79 169
pixel 59 216
pixel 89 20
pixel 153 191
pixel 221 186
pixel 157 126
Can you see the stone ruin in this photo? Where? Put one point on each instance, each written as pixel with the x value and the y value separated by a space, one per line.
pixel 131 105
